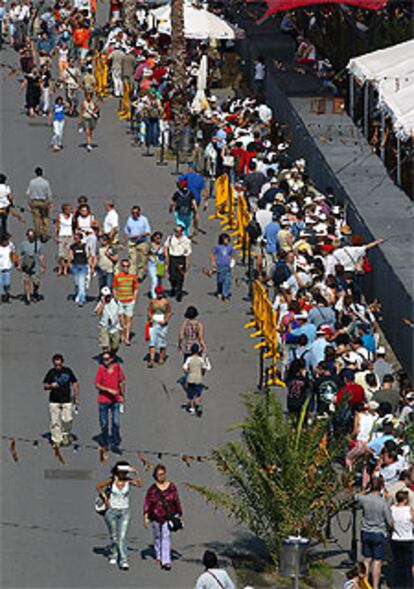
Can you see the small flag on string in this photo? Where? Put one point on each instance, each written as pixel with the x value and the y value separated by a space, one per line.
pixel 13 451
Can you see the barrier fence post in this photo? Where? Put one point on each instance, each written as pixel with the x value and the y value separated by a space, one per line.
pixel 161 161
pixel 249 271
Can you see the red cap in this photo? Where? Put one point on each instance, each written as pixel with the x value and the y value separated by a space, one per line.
pixel 327 247
pixel 159 289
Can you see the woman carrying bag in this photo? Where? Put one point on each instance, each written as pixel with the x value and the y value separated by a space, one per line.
pixel 114 491
pixel 162 508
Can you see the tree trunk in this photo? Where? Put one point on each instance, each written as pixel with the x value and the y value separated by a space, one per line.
pixel 178 47
pixel 129 8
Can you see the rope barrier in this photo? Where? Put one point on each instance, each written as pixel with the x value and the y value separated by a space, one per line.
pixel 35 443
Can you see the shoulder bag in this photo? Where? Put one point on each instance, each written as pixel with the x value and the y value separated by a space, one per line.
pixel 219 583
pixel 173 520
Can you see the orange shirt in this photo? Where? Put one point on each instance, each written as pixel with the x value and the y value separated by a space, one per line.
pixel 81 38
pixel 125 286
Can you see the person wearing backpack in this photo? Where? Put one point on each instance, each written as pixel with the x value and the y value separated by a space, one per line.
pixel 298 386
pixel 282 271
pixel 31 264
pixel 184 205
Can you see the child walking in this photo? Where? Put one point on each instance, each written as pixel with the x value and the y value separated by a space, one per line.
pixel 195 367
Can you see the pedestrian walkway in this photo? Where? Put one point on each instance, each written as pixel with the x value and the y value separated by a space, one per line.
pixel 52 520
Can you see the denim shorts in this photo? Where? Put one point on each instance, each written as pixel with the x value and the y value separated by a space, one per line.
pixel 194 391
pixel 373 545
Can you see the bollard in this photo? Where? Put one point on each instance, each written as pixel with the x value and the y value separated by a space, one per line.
pixel 161 161
pixel 177 162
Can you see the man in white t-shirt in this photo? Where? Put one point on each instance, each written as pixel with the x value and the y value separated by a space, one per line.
pixel 6 201
pixel 213 577
pixel 7 259
pixel 111 221
pixel 351 256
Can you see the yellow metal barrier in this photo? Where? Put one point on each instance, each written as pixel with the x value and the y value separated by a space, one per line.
pixel 101 75
pixel 125 109
pixel 265 322
pixel 242 220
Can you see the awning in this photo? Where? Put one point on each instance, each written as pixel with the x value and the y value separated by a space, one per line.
pixel 391 73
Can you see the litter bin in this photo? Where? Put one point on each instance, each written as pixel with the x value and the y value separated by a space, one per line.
pixel 293 557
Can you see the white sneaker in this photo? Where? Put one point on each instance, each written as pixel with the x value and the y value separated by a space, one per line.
pixel 112 560
pixel 124 566
pixel 191 410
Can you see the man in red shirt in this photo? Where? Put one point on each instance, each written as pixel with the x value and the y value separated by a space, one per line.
pixel 351 391
pixel 110 383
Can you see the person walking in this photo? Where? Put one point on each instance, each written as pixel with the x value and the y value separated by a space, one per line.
pixel 79 259
pixel 40 203
pixel 106 260
pixel 159 314
pixel 63 388
pixel 110 384
pixel 32 264
pixel 109 324
pixel 223 261
pixel 184 205
pixel 402 539
pixel 8 259
pixel 57 120
pixel 156 261
pixel 195 368
pixel 162 508
pixel 177 251
pixel 137 232
pixel 213 576
pixel 89 115
pixel 125 287
pixel 6 203
pixel 115 493
pixel 72 77
pixel 191 332
pixel 64 238
pixel 110 224
pixel 375 520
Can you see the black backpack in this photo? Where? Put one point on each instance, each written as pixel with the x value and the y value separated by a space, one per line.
pixel 253 230
pixel 281 273
pixel 184 202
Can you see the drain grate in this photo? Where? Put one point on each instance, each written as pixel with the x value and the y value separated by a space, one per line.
pixel 76 475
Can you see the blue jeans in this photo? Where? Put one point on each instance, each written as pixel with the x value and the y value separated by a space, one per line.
pixel 80 273
pixel 152 132
pixel 184 221
pixel 152 271
pixel 104 410
pixel 224 281
pixel 105 279
pixel 117 521
pixel 5 281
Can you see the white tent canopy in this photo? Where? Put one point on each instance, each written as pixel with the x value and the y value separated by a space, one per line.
pixel 391 72
pixel 198 23
pixel 377 65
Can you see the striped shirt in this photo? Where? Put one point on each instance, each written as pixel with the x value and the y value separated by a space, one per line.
pixel 125 286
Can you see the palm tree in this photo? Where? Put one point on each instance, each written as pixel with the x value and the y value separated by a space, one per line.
pixel 280 477
pixel 178 48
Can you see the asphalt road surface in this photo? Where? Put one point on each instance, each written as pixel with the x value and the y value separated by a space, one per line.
pixel 51 536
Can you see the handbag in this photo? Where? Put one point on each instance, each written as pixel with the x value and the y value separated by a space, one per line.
pixel 174 522
pixel 100 505
pixel 147 331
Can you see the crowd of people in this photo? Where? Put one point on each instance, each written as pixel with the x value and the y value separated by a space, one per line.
pixel 302 249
